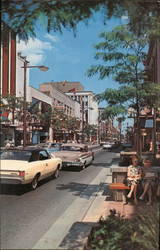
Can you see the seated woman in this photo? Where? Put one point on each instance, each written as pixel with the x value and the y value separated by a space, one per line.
pixel 134 175
pixel 149 181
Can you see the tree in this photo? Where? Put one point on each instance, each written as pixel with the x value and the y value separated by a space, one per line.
pixel 14 105
pixel 122 54
pixel 22 15
pixel 90 130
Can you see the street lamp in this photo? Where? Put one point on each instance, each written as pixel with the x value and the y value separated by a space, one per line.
pixel 25 67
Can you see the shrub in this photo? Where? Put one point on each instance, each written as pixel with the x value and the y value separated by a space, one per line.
pixel 118 233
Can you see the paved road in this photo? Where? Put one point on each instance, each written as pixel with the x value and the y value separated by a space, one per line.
pixel 29 219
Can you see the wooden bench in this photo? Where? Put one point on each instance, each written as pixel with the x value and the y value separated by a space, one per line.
pixel 118 186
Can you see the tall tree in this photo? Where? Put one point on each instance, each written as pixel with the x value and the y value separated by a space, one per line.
pixel 121 55
pixel 21 15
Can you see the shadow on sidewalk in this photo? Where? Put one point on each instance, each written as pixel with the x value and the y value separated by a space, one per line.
pixel 80 189
pixel 77 235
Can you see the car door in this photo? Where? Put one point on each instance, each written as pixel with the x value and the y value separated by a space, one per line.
pixel 87 155
pixel 35 166
pixel 47 163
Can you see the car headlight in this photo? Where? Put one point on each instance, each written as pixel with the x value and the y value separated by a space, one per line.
pixel 78 160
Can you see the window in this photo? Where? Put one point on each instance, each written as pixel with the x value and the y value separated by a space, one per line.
pixel 43 155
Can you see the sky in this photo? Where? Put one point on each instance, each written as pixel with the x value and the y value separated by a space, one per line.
pixel 68 56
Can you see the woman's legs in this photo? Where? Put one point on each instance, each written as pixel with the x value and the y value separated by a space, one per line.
pixel 129 195
pixel 146 187
pixel 135 194
pixel 134 191
pixel 149 195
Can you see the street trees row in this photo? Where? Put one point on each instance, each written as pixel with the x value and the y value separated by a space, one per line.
pixel 121 54
pixel 48 118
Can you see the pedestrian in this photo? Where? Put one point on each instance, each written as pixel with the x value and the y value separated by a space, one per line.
pixel 134 175
pixel 8 145
pixel 148 181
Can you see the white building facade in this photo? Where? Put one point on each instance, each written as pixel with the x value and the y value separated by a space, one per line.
pixel 61 100
pixel 89 105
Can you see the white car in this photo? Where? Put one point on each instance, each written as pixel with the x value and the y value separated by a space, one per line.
pixel 28 166
pixel 107 146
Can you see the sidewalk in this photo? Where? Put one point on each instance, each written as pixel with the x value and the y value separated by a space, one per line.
pixel 77 236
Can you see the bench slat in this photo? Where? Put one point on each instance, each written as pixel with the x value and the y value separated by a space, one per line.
pixel 120 186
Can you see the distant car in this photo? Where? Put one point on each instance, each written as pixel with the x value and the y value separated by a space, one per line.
pixel 74 154
pixel 28 166
pixel 127 145
pixel 107 146
pixel 102 143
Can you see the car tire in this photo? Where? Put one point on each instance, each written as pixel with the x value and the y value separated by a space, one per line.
pixel 34 182
pixel 56 174
pixel 84 166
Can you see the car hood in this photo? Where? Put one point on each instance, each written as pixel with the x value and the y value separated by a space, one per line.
pixel 13 165
pixel 69 155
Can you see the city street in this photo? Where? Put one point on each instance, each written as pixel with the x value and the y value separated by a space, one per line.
pixel 28 218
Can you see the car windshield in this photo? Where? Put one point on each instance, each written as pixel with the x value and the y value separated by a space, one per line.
pixel 50 150
pixel 16 155
pixel 71 148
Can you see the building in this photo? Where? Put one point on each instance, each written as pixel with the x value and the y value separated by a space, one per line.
pixel 150 118
pixel 60 100
pixel 7 61
pixel 68 108
pixel 7 78
pixel 89 106
pixel 66 86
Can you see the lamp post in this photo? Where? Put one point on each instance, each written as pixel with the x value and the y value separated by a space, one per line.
pixel 25 67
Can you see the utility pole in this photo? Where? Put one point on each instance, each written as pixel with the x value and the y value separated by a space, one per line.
pixel 82 121
pixel 25 67
pixel 24 105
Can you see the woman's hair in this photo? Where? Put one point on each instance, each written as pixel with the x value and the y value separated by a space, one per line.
pixel 134 157
pixel 148 159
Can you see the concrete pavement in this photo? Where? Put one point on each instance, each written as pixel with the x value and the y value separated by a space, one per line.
pixel 84 211
pixel 77 236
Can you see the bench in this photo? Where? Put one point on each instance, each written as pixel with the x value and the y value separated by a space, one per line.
pixel 118 186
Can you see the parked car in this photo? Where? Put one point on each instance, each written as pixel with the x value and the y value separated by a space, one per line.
pixel 74 154
pixel 28 166
pixel 107 146
pixel 127 145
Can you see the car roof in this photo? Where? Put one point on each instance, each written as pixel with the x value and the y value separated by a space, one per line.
pixel 29 148
pixel 74 145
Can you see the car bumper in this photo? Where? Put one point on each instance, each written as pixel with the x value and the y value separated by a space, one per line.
pixel 14 181
pixel 75 164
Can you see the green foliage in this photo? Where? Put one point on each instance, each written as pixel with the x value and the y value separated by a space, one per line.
pixel 90 130
pixel 112 111
pixel 122 54
pixel 58 14
pixel 118 233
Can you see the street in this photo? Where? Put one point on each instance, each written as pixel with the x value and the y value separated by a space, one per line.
pixel 29 218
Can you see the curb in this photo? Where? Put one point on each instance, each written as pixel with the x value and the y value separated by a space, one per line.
pixel 81 230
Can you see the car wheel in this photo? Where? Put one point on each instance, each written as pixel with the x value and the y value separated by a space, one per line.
pixel 34 182
pixel 84 165
pixel 56 173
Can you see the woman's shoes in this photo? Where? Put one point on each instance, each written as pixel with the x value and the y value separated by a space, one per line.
pixel 149 203
pixel 141 198
pixel 129 195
